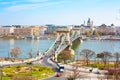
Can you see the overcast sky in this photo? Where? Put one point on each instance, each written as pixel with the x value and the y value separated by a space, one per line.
pixel 59 12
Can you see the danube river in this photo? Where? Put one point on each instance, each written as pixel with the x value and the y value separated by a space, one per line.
pixel 99 46
pixel 25 45
pixel 42 45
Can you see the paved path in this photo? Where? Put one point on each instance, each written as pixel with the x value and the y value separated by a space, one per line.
pixel 4 63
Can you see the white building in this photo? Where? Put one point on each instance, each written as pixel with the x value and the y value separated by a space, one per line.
pixel 42 30
pixel 6 30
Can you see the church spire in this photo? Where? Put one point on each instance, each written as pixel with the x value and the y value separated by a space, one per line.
pixel 88 22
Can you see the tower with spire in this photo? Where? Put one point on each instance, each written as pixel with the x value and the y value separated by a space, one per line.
pixel 88 22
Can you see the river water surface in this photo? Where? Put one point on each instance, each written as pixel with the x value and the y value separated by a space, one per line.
pixel 43 45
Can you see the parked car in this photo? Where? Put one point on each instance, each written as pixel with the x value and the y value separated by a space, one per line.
pixel 58 75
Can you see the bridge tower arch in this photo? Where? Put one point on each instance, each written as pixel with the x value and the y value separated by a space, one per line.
pixel 64 40
pixel 63 35
pixel 63 32
pixel 76 31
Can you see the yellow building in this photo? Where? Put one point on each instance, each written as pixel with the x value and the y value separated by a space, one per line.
pixel 27 31
pixel 35 31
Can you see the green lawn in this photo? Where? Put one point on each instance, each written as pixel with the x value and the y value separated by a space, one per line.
pixel 36 72
pixel 101 66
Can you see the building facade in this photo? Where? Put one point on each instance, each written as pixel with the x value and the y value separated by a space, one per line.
pixel 27 31
pixel 42 30
pixel 52 28
pixel 6 30
pixel 106 30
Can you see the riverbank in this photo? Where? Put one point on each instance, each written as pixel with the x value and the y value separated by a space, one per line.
pixel 96 64
pixel 102 39
pixel 42 37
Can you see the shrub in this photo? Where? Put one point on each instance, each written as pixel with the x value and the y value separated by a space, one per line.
pixel 23 78
pixel 10 74
pixel 96 65
pixel 101 66
pixel 112 71
pixel 70 78
pixel 17 66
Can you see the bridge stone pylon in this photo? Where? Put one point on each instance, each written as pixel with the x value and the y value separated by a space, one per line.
pixel 76 31
pixel 65 39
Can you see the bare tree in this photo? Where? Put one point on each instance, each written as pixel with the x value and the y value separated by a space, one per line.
pixel 31 54
pixel 117 57
pixel 104 56
pixel 75 72
pixel 38 53
pixel 15 52
pixel 87 54
pixel 65 55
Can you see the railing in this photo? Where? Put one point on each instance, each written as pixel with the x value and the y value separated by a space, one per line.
pixel 72 37
pixel 75 38
pixel 65 45
pixel 61 44
pixel 51 48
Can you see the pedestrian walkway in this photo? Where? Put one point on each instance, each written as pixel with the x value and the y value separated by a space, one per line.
pixel 4 63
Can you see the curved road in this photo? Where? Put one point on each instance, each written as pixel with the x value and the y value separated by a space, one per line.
pixel 47 62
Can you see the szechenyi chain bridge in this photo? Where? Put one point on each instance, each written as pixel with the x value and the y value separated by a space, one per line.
pixel 64 40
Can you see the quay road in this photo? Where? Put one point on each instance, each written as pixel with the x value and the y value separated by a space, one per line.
pixel 47 62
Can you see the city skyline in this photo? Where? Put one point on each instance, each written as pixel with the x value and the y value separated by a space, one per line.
pixel 59 12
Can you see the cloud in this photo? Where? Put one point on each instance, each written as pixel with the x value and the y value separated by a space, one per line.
pixel 30 6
